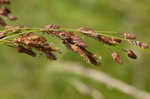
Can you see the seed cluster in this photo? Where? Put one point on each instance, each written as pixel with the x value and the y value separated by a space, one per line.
pixel 26 40
pixel 74 43
pixel 130 37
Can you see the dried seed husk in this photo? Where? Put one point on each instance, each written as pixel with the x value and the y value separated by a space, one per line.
pixel 143 45
pixel 106 40
pixel 131 54
pixel 116 57
pixel 129 36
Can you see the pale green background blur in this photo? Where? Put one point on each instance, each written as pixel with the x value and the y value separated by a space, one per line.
pixel 24 77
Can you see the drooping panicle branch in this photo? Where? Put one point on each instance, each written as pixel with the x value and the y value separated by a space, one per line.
pixel 26 40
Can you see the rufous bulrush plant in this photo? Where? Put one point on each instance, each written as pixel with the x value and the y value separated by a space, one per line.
pixel 27 40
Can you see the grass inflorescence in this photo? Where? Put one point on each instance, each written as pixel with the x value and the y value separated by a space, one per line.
pixel 26 39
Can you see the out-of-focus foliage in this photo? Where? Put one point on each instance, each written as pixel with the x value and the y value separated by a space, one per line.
pixel 24 77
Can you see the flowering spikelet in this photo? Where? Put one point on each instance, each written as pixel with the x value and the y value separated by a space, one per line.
pixel 116 57
pixel 129 36
pixel 131 54
pixel 106 40
pixel 140 44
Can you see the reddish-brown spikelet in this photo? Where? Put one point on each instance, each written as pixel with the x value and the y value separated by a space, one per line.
pixel 139 43
pixel 116 57
pixel 4 11
pixel 131 54
pixel 11 17
pixel 106 40
pixel 129 36
pixel 142 45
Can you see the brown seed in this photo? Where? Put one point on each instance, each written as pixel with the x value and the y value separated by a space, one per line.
pixel 116 57
pixel 131 54
pixel 106 40
pixel 129 36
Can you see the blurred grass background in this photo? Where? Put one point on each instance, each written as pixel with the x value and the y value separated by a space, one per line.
pixel 24 77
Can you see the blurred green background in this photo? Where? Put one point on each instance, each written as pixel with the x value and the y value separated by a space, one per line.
pixel 24 77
